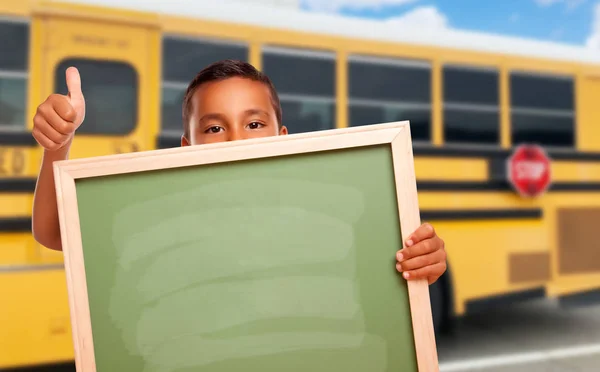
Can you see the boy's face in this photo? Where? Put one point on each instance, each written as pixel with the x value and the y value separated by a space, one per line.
pixel 230 110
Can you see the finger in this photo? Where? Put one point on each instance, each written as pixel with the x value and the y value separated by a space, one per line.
pixel 425 231
pixel 44 141
pixel 48 131
pixel 419 249
pixel 422 261
pixel 431 272
pixel 55 114
pixel 66 114
pixel 74 84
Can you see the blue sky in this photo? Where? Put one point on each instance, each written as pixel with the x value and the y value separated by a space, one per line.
pixel 565 21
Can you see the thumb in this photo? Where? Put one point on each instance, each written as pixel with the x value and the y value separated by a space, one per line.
pixel 75 93
pixel 74 85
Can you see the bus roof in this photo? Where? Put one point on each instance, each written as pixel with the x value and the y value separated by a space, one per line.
pixel 282 17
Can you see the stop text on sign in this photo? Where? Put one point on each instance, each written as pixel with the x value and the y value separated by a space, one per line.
pixel 529 170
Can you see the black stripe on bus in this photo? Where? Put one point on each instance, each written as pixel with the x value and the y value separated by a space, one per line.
pixel 458 152
pixel 462 186
pixel 17 185
pixel 575 186
pixel 483 214
pixel 15 224
pixel 499 186
pixel 67 366
pixel 574 156
pixel 17 139
pixel 498 154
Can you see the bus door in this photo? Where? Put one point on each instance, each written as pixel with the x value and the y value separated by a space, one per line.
pixel 116 56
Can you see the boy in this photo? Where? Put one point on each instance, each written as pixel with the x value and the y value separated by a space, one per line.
pixel 227 101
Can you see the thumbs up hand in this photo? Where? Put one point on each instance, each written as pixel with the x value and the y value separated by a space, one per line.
pixel 59 116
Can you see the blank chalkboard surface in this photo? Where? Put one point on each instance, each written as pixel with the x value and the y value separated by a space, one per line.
pixel 275 254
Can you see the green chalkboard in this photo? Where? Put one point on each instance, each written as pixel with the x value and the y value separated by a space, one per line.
pixel 277 263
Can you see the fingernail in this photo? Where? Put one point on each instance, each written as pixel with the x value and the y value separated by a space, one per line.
pixel 399 267
pixel 399 256
pixel 409 242
pixel 406 275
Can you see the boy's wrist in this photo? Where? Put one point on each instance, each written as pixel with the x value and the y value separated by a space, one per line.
pixel 59 154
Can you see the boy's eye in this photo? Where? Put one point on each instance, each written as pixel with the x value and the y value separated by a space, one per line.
pixel 214 129
pixel 255 125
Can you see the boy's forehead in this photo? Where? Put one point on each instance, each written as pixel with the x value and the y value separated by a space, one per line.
pixel 234 85
pixel 230 93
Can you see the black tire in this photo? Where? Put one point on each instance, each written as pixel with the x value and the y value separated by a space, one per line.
pixel 439 309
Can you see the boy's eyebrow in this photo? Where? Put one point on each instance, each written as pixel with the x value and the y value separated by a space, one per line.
pixel 211 116
pixel 256 112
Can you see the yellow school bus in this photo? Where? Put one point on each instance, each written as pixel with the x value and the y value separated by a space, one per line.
pixel 470 98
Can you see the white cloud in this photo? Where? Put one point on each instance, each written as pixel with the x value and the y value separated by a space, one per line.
pixel 593 41
pixel 571 4
pixel 425 18
pixel 336 5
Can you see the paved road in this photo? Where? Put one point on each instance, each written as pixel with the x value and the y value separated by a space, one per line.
pixel 532 337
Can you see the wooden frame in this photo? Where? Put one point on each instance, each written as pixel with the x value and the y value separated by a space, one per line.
pixel 396 134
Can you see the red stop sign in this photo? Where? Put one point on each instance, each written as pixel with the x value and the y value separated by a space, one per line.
pixel 528 170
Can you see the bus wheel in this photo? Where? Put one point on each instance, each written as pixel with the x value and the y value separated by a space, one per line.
pixel 438 306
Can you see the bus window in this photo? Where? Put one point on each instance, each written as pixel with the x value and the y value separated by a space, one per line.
pixel 384 90
pixel 111 95
pixel 471 105
pixel 305 82
pixel 14 41
pixel 182 60
pixel 542 109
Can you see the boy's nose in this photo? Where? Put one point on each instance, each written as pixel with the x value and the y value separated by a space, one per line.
pixel 235 135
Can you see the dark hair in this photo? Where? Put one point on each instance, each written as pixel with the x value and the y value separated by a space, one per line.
pixel 222 70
